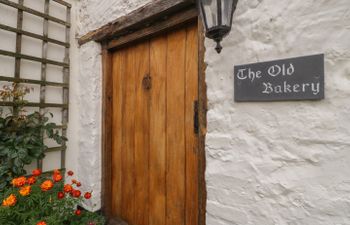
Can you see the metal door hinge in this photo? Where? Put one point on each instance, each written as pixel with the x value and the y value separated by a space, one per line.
pixel 195 117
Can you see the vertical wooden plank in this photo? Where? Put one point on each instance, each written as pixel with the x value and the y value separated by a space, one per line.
pixel 141 70
pixel 107 117
pixel 175 128
pixel 172 179
pixel 128 136
pixel 118 76
pixel 158 68
pixel 191 136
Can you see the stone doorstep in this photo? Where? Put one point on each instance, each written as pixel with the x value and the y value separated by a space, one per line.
pixel 117 221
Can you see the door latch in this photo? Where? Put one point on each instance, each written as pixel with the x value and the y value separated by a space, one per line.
pixel 195 117
pixel 147 82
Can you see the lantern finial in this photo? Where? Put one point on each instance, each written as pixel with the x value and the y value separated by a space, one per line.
pixel 218 47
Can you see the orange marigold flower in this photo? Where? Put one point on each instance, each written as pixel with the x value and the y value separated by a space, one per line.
pixel 87 195
pixel 56 171
pixel 57 177
pixel 19 182
pixel 60 195
pixel 78 184
pixel 67 188
pixel 25 191
pixel 31 180
pixel 70 173
pixel 46 185
pixel 41 223
pixel 76 193
pixel 36 172
pixel 10 201
pixel 78 212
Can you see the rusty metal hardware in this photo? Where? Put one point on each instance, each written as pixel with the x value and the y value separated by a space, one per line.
pixel 195 117
pixel 147 82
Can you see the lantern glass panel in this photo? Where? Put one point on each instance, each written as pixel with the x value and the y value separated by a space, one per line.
pixel 211 12
pixel 226 9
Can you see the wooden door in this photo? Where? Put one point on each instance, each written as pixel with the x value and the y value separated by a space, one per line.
pixel 155 145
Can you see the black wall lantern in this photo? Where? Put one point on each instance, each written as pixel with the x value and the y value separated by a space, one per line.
pixel 217 18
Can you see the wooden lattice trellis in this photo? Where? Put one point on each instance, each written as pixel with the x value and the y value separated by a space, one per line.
pixel 43 60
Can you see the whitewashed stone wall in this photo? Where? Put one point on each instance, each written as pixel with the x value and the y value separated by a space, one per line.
pixel 282 163
pixel 93 14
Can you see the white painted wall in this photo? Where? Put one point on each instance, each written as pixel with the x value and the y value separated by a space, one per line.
pixel 282 163
pixel 93 14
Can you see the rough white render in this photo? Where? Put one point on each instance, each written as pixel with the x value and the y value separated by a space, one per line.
pixel 89 134
pixel 96 13
pixel 282 163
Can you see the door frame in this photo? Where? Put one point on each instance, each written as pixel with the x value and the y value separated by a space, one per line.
pixel 182 12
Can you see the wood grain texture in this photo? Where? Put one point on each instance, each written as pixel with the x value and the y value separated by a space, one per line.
pixel 117 221
pixel 123 34
pixel 141 70
pixel 158 67
pixel 175 127
pixel 136 19
pixel 171 22
pixel 107 112
pixel 155 164
pixel 118 71
pixel 128 136
pixel 191 81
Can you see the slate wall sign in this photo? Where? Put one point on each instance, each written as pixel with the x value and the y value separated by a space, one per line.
pixel 299 78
